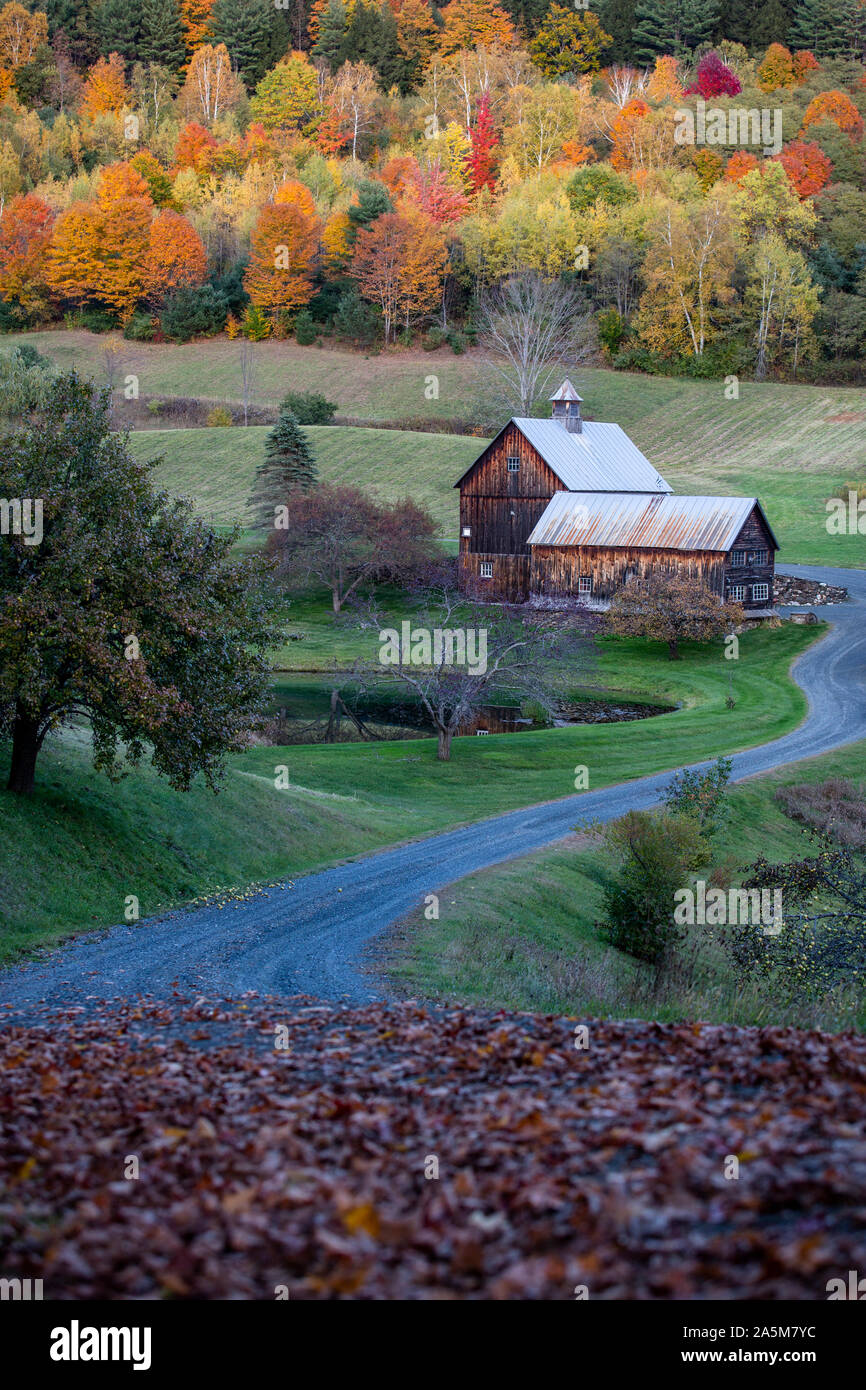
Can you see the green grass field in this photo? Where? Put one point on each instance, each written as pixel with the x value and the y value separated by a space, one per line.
pixel 72 852
pixel 522 935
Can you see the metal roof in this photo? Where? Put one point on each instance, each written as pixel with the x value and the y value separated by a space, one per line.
pixel 566 392
pixel 601 458
pixel 658 521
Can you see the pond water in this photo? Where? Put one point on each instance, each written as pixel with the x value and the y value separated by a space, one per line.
pixel 334 708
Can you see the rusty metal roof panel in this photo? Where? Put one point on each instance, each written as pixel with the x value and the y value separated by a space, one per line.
pixel 601 458
pixel 652 521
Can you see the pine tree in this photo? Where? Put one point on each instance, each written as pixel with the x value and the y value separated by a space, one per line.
pixel 244 26
pixel 332 41
pixel 828 28
pixel 617 18
pixel 770 25
pixel 162 37
pixel 672 26
pixel 288 467
pixel 118 24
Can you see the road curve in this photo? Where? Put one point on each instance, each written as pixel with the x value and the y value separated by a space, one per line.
pixel 308 938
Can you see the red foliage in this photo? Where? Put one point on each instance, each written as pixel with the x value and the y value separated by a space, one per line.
pixel 740 163
pixel 25 231
pixel 438 198
pixel 714 79
pixel 804 63
pixel 483 140
pixel 194 147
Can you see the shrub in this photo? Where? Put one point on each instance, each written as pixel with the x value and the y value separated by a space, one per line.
pixel 255 326
pixel 305 329
pixel 433 338
pixel 219 417
pixel 309 408
pixel 702 796
pixel 27 354
pixel 356 321
pixel 456 341
pixel 654 855
pixel 611 330
pixel 193 312
pixel 96 320
pixel 140 329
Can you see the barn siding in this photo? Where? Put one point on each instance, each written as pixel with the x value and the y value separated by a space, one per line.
pixel 501 508
pixel 754 536
pixel 509 582
pixel 555 570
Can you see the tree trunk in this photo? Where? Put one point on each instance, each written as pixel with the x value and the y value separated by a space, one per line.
pixel 26 743
pixel 673 650
pixel 443 752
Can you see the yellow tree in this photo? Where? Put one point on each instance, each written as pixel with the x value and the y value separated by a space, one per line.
pixel 21 34
pixel 284 244
pixel 105 88
pixel 688 272
pixel 472 22
pixel 195 16
pixel 211 87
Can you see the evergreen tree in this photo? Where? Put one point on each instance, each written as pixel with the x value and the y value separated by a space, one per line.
pixel 672 26
pixel 735 21
pixel 162 37
pixel 830 28
pixel 244 26
pixel 770 24
pixel 617 19
pixel 332 40
pixel 288 467
pixel 529 15
pixel 118 24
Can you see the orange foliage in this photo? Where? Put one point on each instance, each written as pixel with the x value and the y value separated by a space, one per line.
pixel 741 162
pixel 195 17
pixel 625 131
pixel 293 193
pixel 837 107
pixel 105 88
pixel 664 84
pixel 399 261
pixel 176 255
pixel 25 231
pixel 470 23
pixel 399 172
pixel 121 181
pixel 806 165
pixel 335 239
pixel 98 254
pixel 804 63
pixel 278 278
pixel 194 148
pixel 776 69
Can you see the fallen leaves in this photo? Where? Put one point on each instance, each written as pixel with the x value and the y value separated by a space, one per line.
pixel 402 1151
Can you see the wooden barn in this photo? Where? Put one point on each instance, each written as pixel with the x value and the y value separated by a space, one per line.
pixel 568 509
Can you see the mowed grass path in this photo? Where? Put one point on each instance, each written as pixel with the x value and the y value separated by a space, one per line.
pixel 143 838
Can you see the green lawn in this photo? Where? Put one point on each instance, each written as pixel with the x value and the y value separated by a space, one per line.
pixel 523 934
pixel 141 837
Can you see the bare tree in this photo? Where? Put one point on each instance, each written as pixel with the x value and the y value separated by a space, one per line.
pixel 247 359
pixel 457 656
pixel 531 330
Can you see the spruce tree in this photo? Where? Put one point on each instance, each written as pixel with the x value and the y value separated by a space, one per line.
pixel 770 25
pixel 826 27
pixel 288 467
pixel 617 19
pixel 244 26
pixel 672 26
pixel 332 41
pixel 162 37
pixel 118 24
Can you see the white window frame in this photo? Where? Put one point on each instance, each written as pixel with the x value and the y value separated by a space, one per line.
pixel 513 462
pixel 735 562
pixel 584 584
pixel 467 530
pixel 486 568
pixel 760 597
pixel 757 557
pixel 737 593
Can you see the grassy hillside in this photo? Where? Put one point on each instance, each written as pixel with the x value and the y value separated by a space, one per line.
pixel 522 935
pixel 794 447
pixel 216 467
pixel 142 838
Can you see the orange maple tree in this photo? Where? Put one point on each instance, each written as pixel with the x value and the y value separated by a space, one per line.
pixel 176 256
pixel 293 193
pixel 105 88
pixel 776 68
pixel 98 251
pixel 398 262
pixel 806 165
pixel 741 162
pixel 195 16
pixel 837 107
pixel 194 148
pixel 284 243
pixel 474 23
pixel 25 231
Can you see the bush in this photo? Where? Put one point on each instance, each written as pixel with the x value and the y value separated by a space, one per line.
pixel 654 855
pixel 702 796
pixel 305 329
pixel 29 357
pixel 219 416
pixel 433 338
pixel 456 341
pixel 195 312
pixel 96 320
pixel 231 287
pixel 611 330
pixel 255 326
pixel 309 408
pixel 140 329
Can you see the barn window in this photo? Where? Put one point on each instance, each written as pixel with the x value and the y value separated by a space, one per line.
pixel 757 557
pixel 737 593
pixel 584 584
pixel 486 569
pixel 738 557
pixel 760 593
pixel 514 463
pixel 467 530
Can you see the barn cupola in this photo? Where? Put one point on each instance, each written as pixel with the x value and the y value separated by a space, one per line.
pixel 566 405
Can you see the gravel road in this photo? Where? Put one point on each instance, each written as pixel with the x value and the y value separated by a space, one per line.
pixel 308 937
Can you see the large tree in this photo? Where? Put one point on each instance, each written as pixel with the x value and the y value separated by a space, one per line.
pixel 162 37
pixel 129 611
pixel 530 330
pixel 672 26
pixel 671 608
pixel 253 31
pixel 288 467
